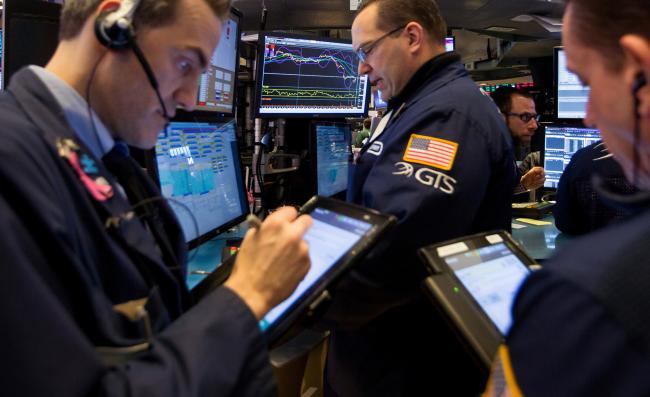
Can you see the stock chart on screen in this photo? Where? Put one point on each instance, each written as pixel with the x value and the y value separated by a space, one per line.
pixel 301 76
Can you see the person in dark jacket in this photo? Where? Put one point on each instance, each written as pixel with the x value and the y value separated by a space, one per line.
pixel 581 325
pixel 92 291
pixel 441 161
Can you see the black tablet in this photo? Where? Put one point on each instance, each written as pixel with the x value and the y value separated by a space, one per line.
pixel 340 236
pixel 474 281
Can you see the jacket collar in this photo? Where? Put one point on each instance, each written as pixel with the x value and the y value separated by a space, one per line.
pixel 427 71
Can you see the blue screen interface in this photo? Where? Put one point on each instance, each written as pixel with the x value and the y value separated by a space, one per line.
pixel 332 158
pixel 199 173
pixel 330 237
pixel 492 275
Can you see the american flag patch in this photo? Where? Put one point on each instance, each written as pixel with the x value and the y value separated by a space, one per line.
pixel 431 151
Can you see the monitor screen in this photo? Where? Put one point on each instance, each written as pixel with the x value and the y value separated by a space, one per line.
pixel 571 96
pixel 450 43
pixel 218 84
pixel 379 103
pixel 302 76
pixel 332 157
pixel 198 169
pixel 330 236
pixel 560 143
pixel 492 275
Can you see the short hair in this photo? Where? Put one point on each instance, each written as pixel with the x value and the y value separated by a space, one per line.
pixel 395 13
pixel 600 24
pixel 150 13
pixel 502 96
pixel 367 123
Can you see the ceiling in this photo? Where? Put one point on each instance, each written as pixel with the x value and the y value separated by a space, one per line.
pixel 529 39
pixel 336 14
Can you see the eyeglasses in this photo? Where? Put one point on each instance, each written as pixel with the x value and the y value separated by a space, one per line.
pixel 363 53
pixel 525 117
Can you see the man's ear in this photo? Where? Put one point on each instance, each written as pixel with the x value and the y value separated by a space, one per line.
pixel 416 35
pixel 637 55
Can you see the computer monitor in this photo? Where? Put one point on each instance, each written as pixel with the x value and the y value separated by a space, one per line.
pixel 450 43
pixel 332 151
pixel 217 86
pixel 560 143
pixel 30 34
pixel 198 169
pixel 571 96
pixel 379 103
pixel 305 76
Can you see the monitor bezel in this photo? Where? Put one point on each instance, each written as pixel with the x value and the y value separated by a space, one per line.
pixel 185 115
pixel 314 150
pixel 260 67
pixel 151 165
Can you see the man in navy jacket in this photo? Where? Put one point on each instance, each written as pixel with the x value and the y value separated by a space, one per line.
pixel 441 161
pixel 93 297
pixel 581 325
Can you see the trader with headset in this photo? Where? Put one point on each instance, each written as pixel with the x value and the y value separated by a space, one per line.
pixel 581 324
pixel 92 288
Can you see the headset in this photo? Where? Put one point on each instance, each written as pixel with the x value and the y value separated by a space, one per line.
pixel 114 29
pixel 639 82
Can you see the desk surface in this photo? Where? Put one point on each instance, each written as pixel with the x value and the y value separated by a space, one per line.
pixel 540 242
pixel 207 256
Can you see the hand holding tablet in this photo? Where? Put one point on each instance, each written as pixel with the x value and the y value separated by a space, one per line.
pixel 272 260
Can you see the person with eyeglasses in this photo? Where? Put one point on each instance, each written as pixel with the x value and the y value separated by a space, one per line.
pixel 441 162
pixel 518 110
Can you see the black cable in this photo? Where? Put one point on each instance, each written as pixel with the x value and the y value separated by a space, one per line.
pixel 637 136
pixel 91 78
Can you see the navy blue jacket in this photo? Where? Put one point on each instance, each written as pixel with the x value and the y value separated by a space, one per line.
pixel 568 338
pixel 64 269
pixel 444 167
pixel 579 208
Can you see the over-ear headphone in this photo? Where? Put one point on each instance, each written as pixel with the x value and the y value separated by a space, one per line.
pixel 114 29
pixel 639 82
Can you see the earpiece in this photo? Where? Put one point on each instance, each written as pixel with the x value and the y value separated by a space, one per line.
pixel 639 82
pixel 114 29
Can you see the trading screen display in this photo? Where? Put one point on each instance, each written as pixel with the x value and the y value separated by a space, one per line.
pixel 560 143
pixel 492 275
pixel 217 85
pixel 199 172
pixel 310 77
pixel 330 236
pixel 332 158
pixel 572 96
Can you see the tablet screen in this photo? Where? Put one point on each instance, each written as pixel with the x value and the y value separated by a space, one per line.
pixel 330 237
pixel 492 275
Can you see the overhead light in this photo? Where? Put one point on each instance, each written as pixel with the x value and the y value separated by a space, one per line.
pixel 501 29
